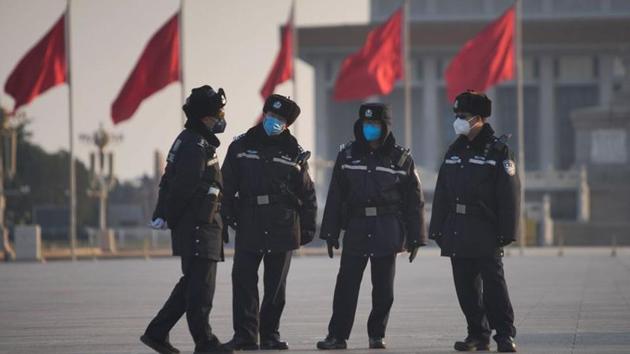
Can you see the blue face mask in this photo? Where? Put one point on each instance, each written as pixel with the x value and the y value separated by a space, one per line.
pixel 273 126
pixel 371 131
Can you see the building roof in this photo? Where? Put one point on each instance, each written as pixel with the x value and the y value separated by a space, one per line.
pixel 446 34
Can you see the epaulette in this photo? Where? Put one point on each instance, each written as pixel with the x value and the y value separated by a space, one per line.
pixel 303 157
pixel 404 155
pixel 300 149
pixel 347 148
pixel 239 137
pixel 501 142
pixel 342 147
pixel 203 143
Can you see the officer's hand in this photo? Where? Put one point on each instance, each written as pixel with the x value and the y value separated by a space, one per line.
pixel 332 243
pixel 158 224
pixel 413 252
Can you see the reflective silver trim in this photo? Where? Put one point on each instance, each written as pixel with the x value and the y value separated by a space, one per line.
pixel 353 167
pixel 392 171
pixel 482 162
pixel 285 162
pixel 212 162
pixel 248 156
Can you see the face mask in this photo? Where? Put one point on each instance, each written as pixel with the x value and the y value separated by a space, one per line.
pixel 273 126
pixel 461 125
pixel 371 131
pixel 219 126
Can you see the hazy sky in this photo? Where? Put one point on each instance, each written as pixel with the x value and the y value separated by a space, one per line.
pixel 229 44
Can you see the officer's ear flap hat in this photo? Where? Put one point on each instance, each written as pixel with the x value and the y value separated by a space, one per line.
pixel 475 103
pixel 204 101
pixel 376 112
pixel 282 106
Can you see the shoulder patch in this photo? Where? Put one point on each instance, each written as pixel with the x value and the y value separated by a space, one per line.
pixel 510 167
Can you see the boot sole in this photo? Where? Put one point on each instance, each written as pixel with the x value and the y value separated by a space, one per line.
pixel 156 346
pixel 336 347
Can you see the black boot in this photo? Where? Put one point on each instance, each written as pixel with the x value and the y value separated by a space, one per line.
pixel 273 344
pixel 160 346
pixel 472 344
pixel 505 345
pixel 331 343
pixel 377 343
pixel 240 344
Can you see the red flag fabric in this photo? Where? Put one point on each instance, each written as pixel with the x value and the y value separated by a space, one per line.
pixel 157 67
pixel 485 60
pixel 282 69
pixel 374 69
pixel 43 67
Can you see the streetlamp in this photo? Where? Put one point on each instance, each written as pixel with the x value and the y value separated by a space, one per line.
pixel 102 179
pixel 8 150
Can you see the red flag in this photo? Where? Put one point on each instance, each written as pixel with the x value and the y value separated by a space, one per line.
pixel 157 67
pixel 485 60
pixel 43 67
pixel 374 69
pixel 282 69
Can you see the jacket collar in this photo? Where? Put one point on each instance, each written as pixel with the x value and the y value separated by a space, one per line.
pixel 479 142
pixel 198 127
pixel 256 137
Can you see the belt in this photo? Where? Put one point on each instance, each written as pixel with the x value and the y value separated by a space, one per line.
pixel 467 209
pixel 265 199
pixel 375 210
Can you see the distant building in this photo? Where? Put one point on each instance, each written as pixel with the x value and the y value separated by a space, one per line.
pixel 572 58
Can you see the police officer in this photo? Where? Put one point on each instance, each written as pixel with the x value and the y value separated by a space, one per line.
pixel 475 214
pixel 376 197
pixel 188 204
pixel 270 202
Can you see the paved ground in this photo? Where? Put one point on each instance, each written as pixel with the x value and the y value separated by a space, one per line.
pixel 579 303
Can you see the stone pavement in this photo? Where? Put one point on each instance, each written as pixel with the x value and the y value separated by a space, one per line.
pixel 578 303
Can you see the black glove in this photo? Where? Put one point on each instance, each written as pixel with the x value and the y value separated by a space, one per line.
pixel 503 242
pixel 412 247
pixel 306 237
pixel 332 243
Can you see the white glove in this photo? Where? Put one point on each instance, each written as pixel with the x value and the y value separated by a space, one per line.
pixel 158 224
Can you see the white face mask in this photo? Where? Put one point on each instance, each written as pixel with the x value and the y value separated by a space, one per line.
pixel 461 126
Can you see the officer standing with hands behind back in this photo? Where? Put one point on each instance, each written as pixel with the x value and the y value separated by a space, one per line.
pixel 475 214
pixel 188 203
pixel 376 197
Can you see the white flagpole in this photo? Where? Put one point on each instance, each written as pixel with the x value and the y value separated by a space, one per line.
pixel 72 180
pixel 180 22
pixel 407 76
pixel 519 121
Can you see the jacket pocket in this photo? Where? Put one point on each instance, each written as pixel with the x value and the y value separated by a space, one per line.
pixel 207 242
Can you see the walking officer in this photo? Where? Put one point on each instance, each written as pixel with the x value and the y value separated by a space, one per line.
pixel 270 202
pixel 188 204
pixel 376 197
pixel 475 214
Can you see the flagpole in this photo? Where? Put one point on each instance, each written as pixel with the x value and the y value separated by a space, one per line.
pixel 519 121
pixel 72 180
pixel 180 23
pixel 294 47
pixel 407 76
